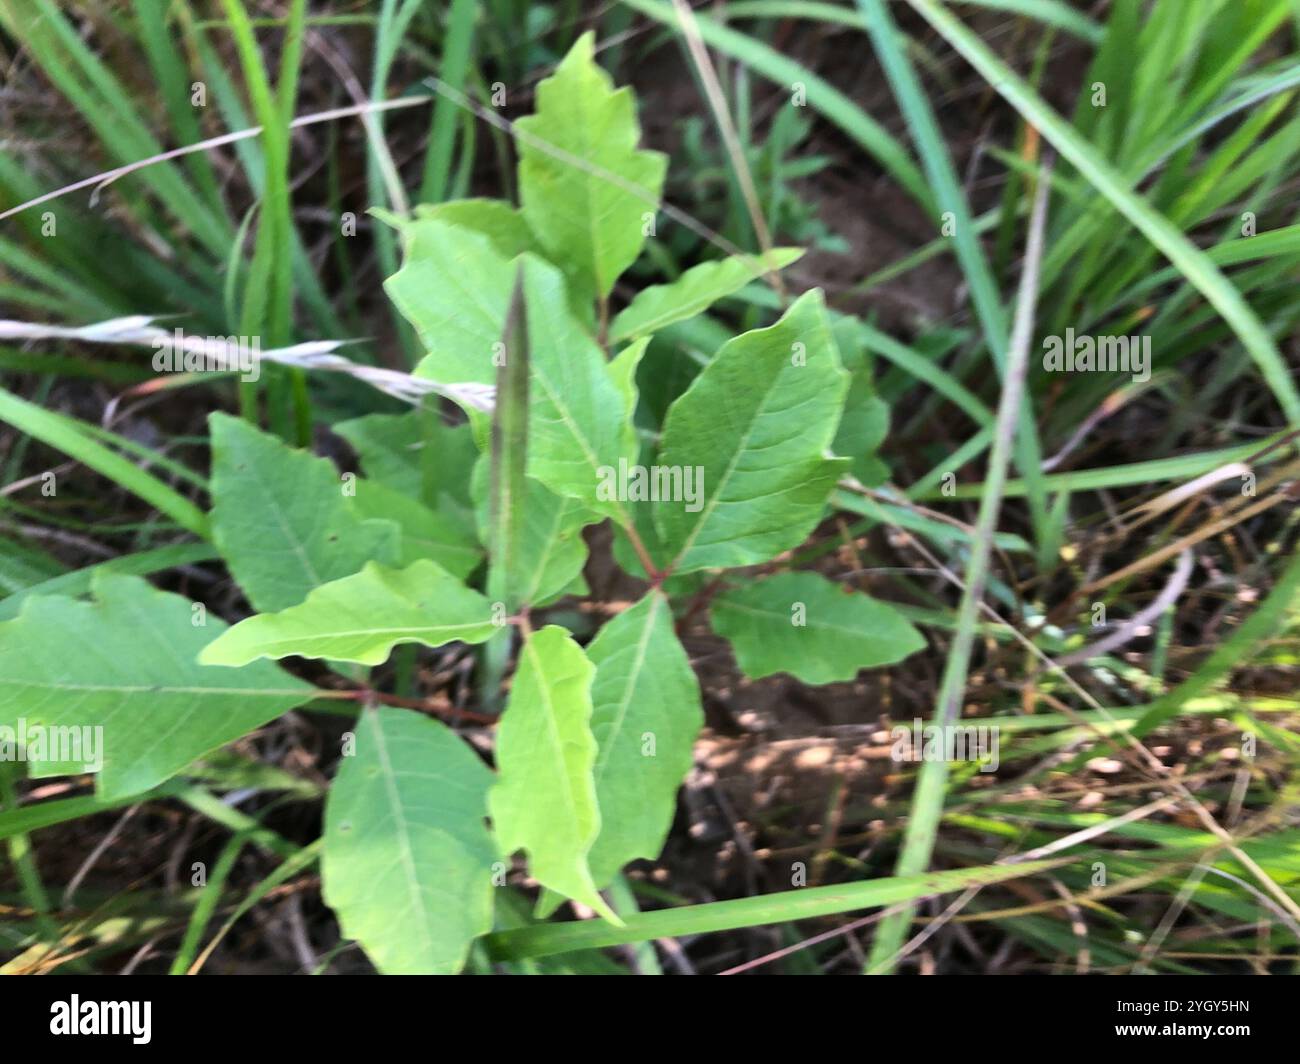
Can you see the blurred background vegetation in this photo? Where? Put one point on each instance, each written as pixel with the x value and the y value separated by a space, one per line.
pixel 900 143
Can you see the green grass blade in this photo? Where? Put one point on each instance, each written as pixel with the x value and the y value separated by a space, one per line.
pixel 173 76
pixel 64 434
pixel 979 277
pixel 1271 614
pixel 142 563
pixel 267 310
pixel 822 96
pixel 931 373
pixel 1048 12
pixel 290 867
pixel 207 903
pixel 1160 469
pixel 932 779
pixel 23 860
pixel 251 159
pixel 34 816
pixel 1194 263
pixel 456 50
pixel 544 940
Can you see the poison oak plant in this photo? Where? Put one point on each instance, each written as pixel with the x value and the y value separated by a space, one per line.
pixel 467 534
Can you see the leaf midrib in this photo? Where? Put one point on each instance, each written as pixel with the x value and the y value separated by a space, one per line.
pixel 725 604
pixel 566 777
pixel 399 817
pixel 741 447
pixel 268 692
pixel 355 632
pixel 643 644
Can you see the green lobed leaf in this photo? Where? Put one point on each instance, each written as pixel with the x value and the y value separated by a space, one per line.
pixel 757 423
pixel 585 200
pixel 580 419
pixel 453 287
pixel 544 801
pixel 504 226
pixel 416 454
pixel 281 520
pixel 810 627
pixel 407 861
pixel 645 717
pixel 622 371
pixel 864 423
pixel 125 662
pixel 863 428
pixel 362 617
pixel 426 533
pixel 694 291
pixel 550 550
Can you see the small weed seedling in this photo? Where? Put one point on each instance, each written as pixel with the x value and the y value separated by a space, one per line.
pixel 468 532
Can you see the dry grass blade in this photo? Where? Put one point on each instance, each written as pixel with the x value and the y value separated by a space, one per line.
pixel 102 180
pixel 927 802
pixel 223 355
pixel 718 104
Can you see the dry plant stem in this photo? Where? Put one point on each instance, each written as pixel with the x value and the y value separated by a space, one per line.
pixel 927 801
pixel 699 602
pixel 825 936
pixel 69 892
pixel 1148 760
pixel 1077 924
pixel 652 572
pixel 102 180
pixel 1175 910
pixel 1256 893
pixel 374 132
pixel 1092 832
pixel 1205 532
pixel 220 356
pixel 366 695
pixel 718 104
pixel 1057 846
pixel 1149 614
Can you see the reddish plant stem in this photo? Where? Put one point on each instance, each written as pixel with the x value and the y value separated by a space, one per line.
pixel 701 600
pixel 652 572
pixel 366 695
